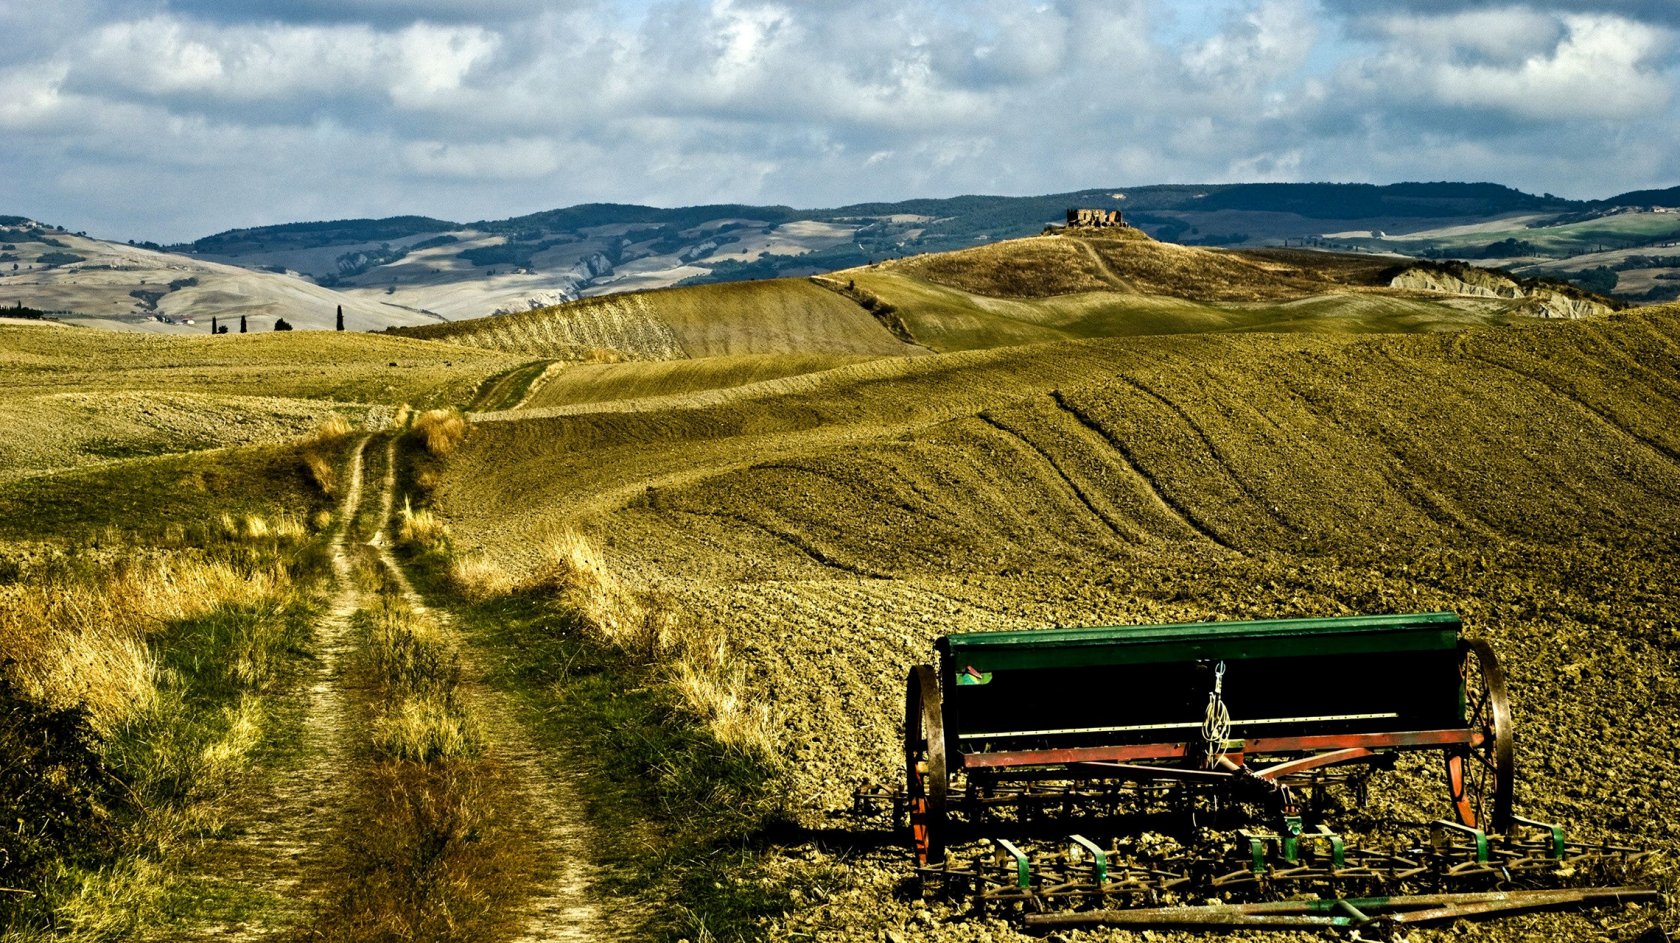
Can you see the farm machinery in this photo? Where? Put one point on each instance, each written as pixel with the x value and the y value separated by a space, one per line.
pixel 1199 775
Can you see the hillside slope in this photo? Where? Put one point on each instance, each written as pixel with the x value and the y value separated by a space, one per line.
pixel 781 317
pixel 831 527
pixel 1046 288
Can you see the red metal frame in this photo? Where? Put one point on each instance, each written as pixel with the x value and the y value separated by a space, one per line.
pixel 1407 739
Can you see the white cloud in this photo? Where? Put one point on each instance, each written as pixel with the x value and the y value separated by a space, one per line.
pixel 150 118
pixel 1542 69
pixel 1266 43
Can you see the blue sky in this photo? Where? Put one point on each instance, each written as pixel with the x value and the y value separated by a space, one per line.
pixel 172 119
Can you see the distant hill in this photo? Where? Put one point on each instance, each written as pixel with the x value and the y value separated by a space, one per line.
pixel 1062 286
pixel 1669 197
pixel 537 259
pixel 414 269
pixel 73 278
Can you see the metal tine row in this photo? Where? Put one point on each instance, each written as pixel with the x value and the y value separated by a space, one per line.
pixel 1078 871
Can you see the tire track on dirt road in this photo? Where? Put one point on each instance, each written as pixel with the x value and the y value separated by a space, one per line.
pixel 291 819
pixel 548 788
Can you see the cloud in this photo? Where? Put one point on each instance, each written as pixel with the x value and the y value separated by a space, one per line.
pixel 1536 68
pixel 168 118
pixel 385 13
pixel 1654 12
pixel 1264 44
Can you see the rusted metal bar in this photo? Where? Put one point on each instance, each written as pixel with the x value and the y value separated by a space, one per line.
pixel 1316 761
pixel 1139 773
pixel 1345 741
pixel 1415 910
pixel 1122 754
pixel 1400 739
pixel 1515 902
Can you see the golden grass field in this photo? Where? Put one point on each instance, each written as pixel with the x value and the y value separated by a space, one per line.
pixel 789 501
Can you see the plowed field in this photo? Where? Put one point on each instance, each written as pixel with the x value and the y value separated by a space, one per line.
pixel 833 525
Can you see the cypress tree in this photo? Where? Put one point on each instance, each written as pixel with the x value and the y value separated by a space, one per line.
pixel 341 317
pixel 213 330
pixel 242 324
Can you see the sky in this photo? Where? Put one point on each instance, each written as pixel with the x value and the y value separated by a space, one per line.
pixel 167 120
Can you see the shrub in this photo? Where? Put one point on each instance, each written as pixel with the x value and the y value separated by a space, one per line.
pixel 441 430
pixel 54 780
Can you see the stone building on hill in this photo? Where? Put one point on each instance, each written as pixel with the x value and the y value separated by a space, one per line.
pixel 1094 218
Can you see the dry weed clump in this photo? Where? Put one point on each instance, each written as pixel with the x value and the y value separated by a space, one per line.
pixel 283 528
pixel 319 449
pixel 408 653
pixel 418 667
pixel 421 528
pixel 718 698
pixel 425 728
pixel 441 430
pixel 612 610
pixel 478 577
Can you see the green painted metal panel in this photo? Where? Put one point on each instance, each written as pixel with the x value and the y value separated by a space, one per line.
pixel 1202 641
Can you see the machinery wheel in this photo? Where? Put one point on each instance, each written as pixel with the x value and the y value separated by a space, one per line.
pixel 924 764
pixel 1480 778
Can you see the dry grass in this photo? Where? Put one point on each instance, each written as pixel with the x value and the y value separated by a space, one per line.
pixel 425 728
pixel 321 448
pixel 408 653
pixel 648 625
pixel 255 528
pixel 111 903
pixel 421 528
pixel 441 430
pixel 719 699
pixel 478 577
pixel 79 639
pixel 439 860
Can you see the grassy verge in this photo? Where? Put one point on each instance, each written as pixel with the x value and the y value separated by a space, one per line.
pixel 142 691
pixel 431 856
pixel 682 787
pixel 152 622
pixel 679 818
pixel 431 850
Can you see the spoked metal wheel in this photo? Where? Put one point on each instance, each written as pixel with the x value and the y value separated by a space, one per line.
pixel 924 764
pixel 1480 777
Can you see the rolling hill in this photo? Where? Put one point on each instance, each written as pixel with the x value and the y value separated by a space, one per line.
pixel 807 481
pixel 414 269
pixel 1060 286
pixel 827 528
